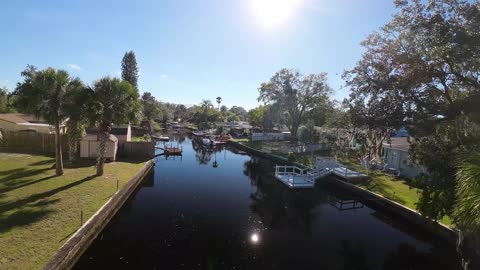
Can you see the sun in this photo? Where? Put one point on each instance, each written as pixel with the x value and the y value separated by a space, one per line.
pixel 271 13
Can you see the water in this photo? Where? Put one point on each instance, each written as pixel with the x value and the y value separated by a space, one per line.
pixel 223 209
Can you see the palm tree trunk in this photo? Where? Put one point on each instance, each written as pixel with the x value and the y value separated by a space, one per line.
pixel 58 149
pixel 74 136
pixel 102 148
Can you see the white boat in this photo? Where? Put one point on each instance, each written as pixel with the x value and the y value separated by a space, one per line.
pixel 207 142
pixel 161 138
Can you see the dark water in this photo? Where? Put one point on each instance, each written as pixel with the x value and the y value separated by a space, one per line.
pixel 190 214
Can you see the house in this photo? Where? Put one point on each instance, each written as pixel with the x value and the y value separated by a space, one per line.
pixel 123 132
pixel 238 128
pixel 397 158
pixel 26 123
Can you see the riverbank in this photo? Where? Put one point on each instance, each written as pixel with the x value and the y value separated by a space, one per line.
pixel 380 200
pixel 40 211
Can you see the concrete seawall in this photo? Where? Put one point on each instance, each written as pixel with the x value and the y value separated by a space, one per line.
pixel 70 252
pixel 400 210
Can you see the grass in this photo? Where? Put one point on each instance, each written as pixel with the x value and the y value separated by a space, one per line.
pixel 140 139
pixel 40 211
pixel 242 140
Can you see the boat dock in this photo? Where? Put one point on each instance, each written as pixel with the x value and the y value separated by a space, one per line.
pixel 295 177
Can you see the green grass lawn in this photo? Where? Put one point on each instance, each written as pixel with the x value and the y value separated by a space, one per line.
pixel 39 211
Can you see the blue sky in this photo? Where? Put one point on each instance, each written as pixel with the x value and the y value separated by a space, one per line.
pixel 189 50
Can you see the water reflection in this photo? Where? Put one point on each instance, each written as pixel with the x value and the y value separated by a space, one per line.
pixel 278 206
pixel 353 257
pixel 231 213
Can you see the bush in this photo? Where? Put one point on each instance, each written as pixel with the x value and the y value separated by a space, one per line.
pixel 291 157
pixel 156 127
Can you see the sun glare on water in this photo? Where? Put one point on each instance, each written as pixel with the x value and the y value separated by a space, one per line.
pixel 271 13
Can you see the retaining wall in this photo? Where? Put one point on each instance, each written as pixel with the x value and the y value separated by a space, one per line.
pixel 70 252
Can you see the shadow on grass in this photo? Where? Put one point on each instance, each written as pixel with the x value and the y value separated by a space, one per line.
pixel 24 184
pixel 35 197
pixel 24 217
pixel 43 162
pixel 13 178
pixel 12 171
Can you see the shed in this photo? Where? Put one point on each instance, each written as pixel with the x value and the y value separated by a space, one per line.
pixel 90 143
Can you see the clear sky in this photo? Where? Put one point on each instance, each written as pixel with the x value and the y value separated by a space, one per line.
pixel 189 50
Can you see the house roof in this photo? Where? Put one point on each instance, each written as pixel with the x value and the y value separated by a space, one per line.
pixel 91 137
pixel 116 130
pixel 399 143
pixel 18 118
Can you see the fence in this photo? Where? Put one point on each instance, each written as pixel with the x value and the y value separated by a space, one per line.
pixel 270 136
pixel 30 142
pixel 136 149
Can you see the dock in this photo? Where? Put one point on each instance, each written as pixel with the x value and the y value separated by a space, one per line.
pixel 295 177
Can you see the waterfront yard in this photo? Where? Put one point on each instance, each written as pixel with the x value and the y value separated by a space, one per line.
pixel 389 186
pixel 40 211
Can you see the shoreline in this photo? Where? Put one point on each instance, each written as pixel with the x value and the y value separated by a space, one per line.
pixel 71 251
pixel 446 233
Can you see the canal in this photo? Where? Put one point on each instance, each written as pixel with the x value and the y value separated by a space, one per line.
pixel 222 209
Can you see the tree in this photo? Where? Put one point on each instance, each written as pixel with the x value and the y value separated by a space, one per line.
pixel 295 93
pixel 377 115
pixel 240 112
pixel 130 69
pixel 255 116
pixel 427 57
pixel 44 93
pixel 180 112
pixel 6 105
pixel 467 212
pixel 151 108
pixel 219 100
pixel 114 101
pixel 308 134
pixel 76 110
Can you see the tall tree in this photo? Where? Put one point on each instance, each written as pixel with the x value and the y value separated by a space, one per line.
pixel 219 100
pixel 76 110
pixel 428 58
pixel 130 68
pixel 114 101
pixel 295 93
pixel 44 93
pixel 151 107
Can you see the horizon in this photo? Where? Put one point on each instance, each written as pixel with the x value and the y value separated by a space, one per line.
pixel 189 51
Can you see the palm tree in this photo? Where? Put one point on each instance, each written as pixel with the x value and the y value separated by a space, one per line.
pixel 114 101
pixel 44 94
pixel 219 100
pixel 76 110
pixel 467 211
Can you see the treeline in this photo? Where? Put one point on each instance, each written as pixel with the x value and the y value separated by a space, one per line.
pixel 204 115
